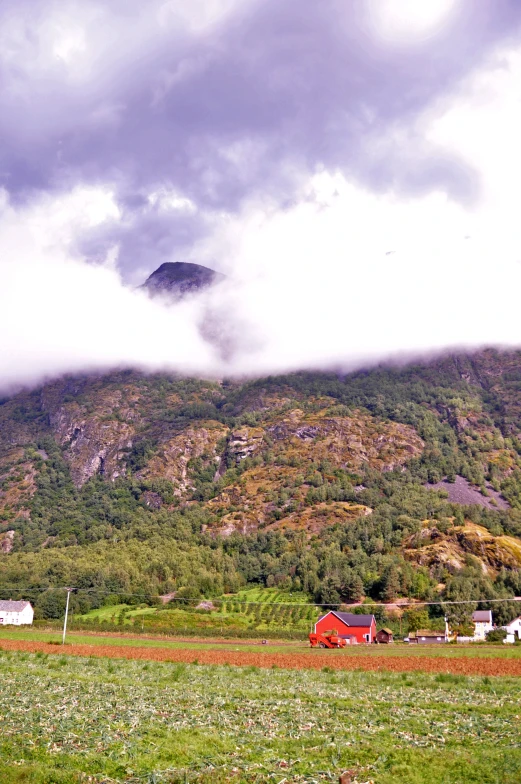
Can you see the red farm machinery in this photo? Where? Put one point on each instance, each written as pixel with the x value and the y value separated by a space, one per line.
pixel 326 640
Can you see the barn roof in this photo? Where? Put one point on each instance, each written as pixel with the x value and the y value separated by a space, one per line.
pixel 482 616
pixel 355 620
pixel 350 619
pixel 387 631
pixel 10 606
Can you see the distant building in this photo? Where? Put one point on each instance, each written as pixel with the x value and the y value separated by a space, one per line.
pixel 482 620
pixel 427 636
pixel 384 636
pixel 351 639
pixel 15 613
pixel 361 627
pixel 514 628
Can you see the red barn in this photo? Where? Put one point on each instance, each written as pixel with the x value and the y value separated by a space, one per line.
pixel 363 627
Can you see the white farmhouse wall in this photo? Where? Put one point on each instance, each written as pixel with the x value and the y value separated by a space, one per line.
pixel 23 617
pixel 514 628
pixel 481 629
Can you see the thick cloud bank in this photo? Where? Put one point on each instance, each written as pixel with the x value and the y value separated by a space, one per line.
pixel 352 167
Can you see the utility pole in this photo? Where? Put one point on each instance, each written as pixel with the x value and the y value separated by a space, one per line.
pixel 66 614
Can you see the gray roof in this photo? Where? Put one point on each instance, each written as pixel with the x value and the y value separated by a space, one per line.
pixel 10 606
pixel 351 619
pixel 482 616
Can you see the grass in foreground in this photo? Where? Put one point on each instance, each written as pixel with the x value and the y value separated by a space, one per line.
pixel 76 720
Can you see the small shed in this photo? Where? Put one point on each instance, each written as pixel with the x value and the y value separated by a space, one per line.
pixel 427 636
pixel 384 636
pixel 351 639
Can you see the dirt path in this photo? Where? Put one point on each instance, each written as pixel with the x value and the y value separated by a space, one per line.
pixel 290 661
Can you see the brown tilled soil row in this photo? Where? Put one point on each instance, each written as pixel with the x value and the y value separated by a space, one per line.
pixel 290 661
pixel 172 638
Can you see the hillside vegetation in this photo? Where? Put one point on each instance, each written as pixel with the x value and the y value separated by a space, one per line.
pixel 130 486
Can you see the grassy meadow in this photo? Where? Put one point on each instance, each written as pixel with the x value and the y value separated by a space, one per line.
pixel 68 719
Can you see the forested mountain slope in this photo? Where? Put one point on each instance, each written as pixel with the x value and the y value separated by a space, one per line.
pixel 317 482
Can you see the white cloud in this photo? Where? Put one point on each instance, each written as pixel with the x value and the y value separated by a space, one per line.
pixel 60 60
pixel 344 277
pixel 198 15
pixel 348 275
pixel 406 21
pixel 59 314
pixel 484 123
pixel 54 223
pixel 166 199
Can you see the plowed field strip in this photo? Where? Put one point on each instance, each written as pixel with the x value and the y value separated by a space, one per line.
pixel 289 661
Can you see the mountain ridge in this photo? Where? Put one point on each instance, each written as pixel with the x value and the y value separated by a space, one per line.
pixel 322 483
pixel 178 279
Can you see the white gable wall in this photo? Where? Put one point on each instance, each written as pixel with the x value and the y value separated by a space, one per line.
pixel 514 628
pixel 25 617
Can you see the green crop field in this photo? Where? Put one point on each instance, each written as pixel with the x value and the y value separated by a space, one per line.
pixel 112 612
pixel 272 596
pixel 254 611
pixel 92 720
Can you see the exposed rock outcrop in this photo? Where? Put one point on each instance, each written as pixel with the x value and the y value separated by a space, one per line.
pixel 173 457
pixel 245 442
pixel 96 429
pixel 6 541
pixel 93 446
pixel 431 547
pixel 17 484
pixel 347 441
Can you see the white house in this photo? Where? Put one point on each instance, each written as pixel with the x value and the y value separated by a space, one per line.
pixel 514 628
pixel 482 623
pixel 16 613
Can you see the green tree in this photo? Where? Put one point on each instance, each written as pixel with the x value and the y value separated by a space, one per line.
pixel 417 618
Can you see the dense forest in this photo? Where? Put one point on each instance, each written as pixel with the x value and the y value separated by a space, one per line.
pixel 340 486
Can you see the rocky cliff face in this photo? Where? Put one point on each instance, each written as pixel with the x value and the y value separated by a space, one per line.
pixel 17 485
pixel 450 548
pixel 6 541
pixel 286 454
pixel 100 423
pixel 95 442
pixel 173 458
pixel 345 441
pixel 298 443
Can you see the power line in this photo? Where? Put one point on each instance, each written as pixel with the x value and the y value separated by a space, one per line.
pixel 387 605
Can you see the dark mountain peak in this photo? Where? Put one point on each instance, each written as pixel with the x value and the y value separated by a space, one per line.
pixel 179 278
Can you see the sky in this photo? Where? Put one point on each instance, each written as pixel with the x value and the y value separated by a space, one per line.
pixel 352 166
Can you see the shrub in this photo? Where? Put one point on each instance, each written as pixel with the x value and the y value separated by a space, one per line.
pixel 496 635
